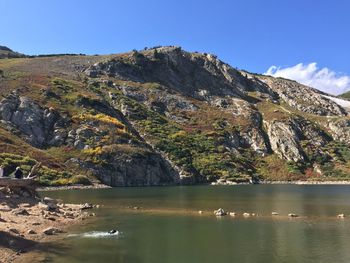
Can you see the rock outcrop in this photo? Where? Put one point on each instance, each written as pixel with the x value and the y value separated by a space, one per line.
pixel 144 169
pixel 40 126
pixel 340 130
pixel 284 138
pixel 304 98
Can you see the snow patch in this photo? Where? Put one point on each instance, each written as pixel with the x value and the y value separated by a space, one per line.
pixel 340 102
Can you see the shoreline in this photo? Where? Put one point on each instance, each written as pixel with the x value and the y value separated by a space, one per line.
pixel 302 182
pixel 297 182
pixel 30 224
pixel 72 187
pixel 266 182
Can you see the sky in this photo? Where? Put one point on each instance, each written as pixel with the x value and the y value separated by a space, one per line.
pixel 307 40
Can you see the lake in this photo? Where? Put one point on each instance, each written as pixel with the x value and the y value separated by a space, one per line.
pixel 168 228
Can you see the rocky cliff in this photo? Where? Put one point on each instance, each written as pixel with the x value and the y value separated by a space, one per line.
pixel 166 116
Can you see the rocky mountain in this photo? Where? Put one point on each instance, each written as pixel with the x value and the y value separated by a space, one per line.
pixel 165 116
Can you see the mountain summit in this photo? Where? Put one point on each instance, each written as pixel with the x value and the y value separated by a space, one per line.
pixel 166 116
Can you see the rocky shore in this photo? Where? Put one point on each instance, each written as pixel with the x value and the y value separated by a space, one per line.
pixel 28 223
pixel 308 182
pixel 73 187
pixel 295 182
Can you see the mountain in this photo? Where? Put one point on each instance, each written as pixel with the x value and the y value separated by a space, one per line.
pixel 345 95
pixel 165 116
pixel 5 52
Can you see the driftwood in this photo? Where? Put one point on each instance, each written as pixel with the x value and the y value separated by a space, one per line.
pixel 32 173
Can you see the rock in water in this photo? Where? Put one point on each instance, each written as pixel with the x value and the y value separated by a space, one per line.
pixel 293 215
pixel 220 212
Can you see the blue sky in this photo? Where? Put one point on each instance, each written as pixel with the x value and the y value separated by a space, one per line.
pixel 249 34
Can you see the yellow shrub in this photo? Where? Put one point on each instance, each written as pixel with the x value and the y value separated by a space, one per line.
pixel 102 118
pixel 94 151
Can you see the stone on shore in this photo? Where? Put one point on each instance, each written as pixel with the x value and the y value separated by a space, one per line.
pixel 31 232
pixel 86 206
pixel 52 231
pixel 20 211
pixel 14 230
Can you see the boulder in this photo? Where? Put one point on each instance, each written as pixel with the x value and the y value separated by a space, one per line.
pixel 31 232
pixel 86 206
pixel 52 231
pixel 220 212
pixel 20 211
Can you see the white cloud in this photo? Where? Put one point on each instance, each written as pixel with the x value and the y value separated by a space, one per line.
pixel 323 79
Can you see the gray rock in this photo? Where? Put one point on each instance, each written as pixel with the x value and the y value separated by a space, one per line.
pixel 34 122
pixel 52 231
pixel 303 98
pixel 220 212
pixel 20 211
pixel 284 139
pixel 86 206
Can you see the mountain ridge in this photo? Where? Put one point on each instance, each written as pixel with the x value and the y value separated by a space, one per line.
pixel 167 116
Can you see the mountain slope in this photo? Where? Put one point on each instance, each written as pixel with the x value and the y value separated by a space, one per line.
pixel 5 52
pixel 166 116
pixel 345 95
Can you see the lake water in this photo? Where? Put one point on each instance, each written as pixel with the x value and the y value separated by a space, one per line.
pixel 168 227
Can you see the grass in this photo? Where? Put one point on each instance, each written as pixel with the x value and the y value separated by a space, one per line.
pixel 46 175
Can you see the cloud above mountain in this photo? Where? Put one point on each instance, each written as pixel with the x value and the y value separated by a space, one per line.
pixel 323 79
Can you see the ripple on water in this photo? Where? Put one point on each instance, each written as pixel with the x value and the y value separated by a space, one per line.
pixel 96 234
